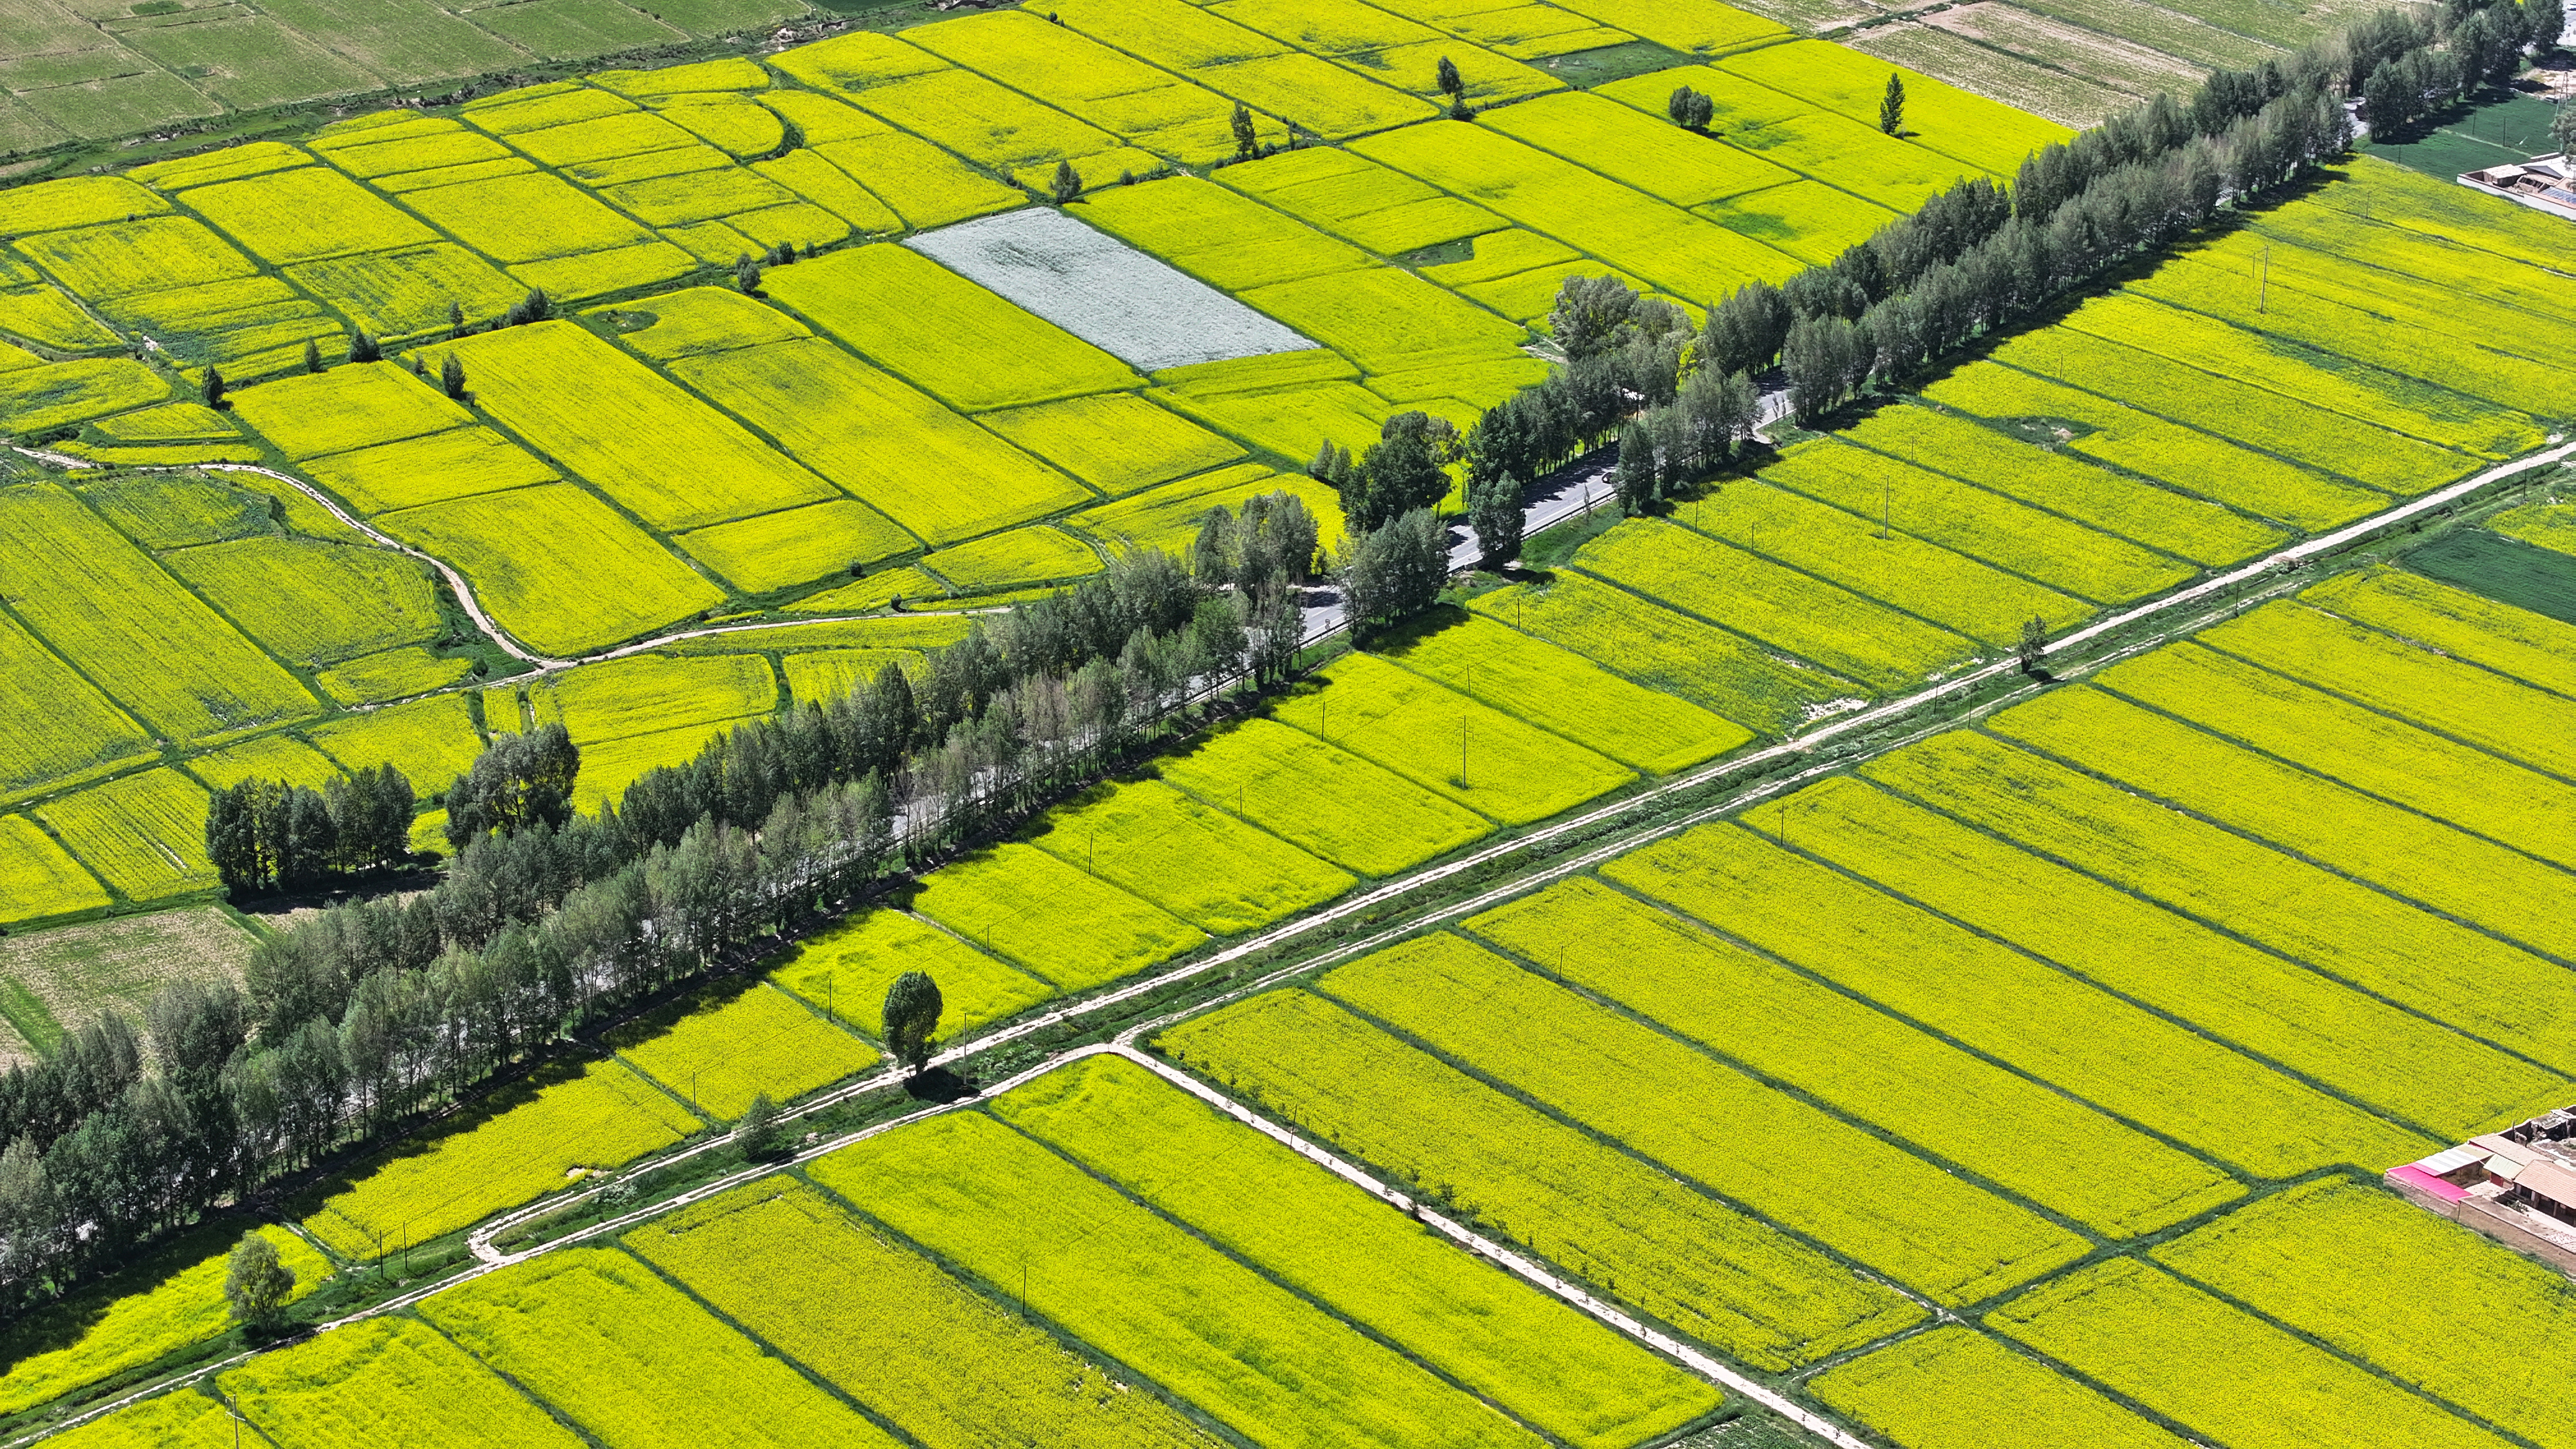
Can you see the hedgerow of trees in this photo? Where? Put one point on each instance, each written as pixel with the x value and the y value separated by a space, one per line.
pixel 545 922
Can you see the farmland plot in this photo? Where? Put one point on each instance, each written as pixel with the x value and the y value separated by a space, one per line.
pixel 1670 652
pixel 359 406
pixel 1719 1275
pixel 1775 605
pixel 2518 643
pixel 2360 747
pixel 1677 252
pixel 2277 423
pixel 2050 550
pixel 394 1382
pixel 2455 975
pixel 2057 415
pixel 1358 815
pixel 953 1370
pixel 313 602
pixel 1060 923
pixel 127 624
pixel 797 545
pixel 1916 575
pixel 2001 1127
pixel 458 463
pixel 184 1417
pixel 2425 860
pixel 556 567
pixel 38 878
pixel 721 1054
pixel 2139 1331
pixel 620 426
pixel 847 970
pixel 1952 1242
pixel 1118 443
pixel 646 692
pixel 1211 870
pixel 1627 145
pixel 1561 691
pixel 2492 712
pixel 2085 1040
pixel 1955 1388
pixel 1985 134
pixel 139 1326
pixel 2391 1275
pixel 1264 1361
pixel 55 725
pixel 1536 1357
pixel 523 1144
pixel 2185 527
pixel 305 214
pixel 1358 200
pixel 2391 1060
pixel 1141 105
pixel 1103 291
pixel 1488 761
pixel 930 470
pixel 962 344
pixel 632 1360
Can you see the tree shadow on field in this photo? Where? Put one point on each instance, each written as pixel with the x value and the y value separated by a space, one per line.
pixel 940 1085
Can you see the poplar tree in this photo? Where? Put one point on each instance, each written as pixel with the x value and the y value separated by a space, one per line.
pixel 912 1008
pixel 1891 106
pixel 1068 184
pixel 451 377
pixel 1247 142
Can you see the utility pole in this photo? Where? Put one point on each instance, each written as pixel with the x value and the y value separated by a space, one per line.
pixel 1886 506
pixel 1462 752
pixel 2263 280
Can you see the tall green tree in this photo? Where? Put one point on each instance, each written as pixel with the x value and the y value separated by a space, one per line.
pixel 912 1008
pixel 1068 184
pixel 1494 512
pixel 1690 109
pixel 1452 84
pixel 757 1135
pixel 363 348
pixel 312 355
pixel 213 388
pixel 1397 570
pixel 1247 142
pixel 451 377
pixel 2033 647
pixel 256 1282
pixel 1891 106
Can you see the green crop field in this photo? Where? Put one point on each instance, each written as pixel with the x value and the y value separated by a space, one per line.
pixel 1066 926
pixel 630 1359
pixel 846 970
pixel 2010 1070
pixel 388 1381
pixel 533 1142
pixel 2139 1331
pixel 1871 1066
pixel 722 1053
pixel 1491 762
pixel 1537 1358
pixel 1263 1360
pixel 955 1370
pixel 140 1326
pixel 1358 815
pixel 1925 1227
pixel 1730 1279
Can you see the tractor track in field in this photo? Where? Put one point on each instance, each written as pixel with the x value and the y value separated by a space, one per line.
pixel 2185 605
